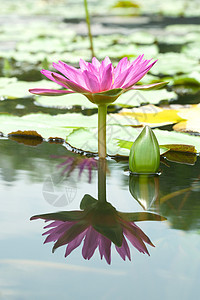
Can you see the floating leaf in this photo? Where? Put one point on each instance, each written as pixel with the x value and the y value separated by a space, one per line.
pixel 192 116
pixel 191 126
pixel 129 99
pixel 152 115
pixel 174 63
pixel 19 89
pixel 139 97
pixel 181 157
pixel 166 139
pixel 30 138
pixel 40 123
pixel 191 50
pixel 126 4
pixel 180 148
pixel 65 102
pixel 192 79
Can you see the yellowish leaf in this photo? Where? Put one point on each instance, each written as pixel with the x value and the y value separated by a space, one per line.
pixel 153 116
pixel 181 157
pixel 180 148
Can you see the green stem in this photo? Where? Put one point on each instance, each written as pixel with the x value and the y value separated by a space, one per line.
pixel 89 27
pixel 102 113
pixel 102 180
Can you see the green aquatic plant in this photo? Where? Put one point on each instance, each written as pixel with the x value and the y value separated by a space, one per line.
pixel 101 83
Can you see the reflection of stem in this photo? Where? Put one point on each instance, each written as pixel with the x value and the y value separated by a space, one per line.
pixel 102 180
pixel 102 113
pixel 184 200
pixel 174 194
pixel 89 27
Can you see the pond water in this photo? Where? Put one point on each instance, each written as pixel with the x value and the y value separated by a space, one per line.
pixel 29 269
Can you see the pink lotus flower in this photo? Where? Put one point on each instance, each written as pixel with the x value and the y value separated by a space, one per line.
pixel 101 83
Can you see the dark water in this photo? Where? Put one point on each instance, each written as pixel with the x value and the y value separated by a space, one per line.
pixel 29 270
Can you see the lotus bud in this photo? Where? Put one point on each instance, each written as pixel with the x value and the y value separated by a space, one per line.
pixel 145 153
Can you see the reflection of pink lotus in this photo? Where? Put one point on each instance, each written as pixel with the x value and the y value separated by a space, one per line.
pixel 72 233
pixel 82 163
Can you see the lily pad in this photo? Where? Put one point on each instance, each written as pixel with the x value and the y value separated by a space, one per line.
pixel 129 99
pixel 168 137
pixel 152 115
pixel 182 29
pixel 192 50
pixel 191 126
pixel 139 97
pixel 191 79
pixel 64 101
pixel 86 139
pixel 130 51
pixel 12 89
pixel 174 63
pixel 45 129
pixel 59 125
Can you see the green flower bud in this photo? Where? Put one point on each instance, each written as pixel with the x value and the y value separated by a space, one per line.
pixel 145 153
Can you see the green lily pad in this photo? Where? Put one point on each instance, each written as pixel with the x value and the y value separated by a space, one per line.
pixel 10 124
pixel 129 99
pixel 142 37
pixel 167 137
pixel 36 58
pixel 130 51
pixel 6 81
pixel 81 131
pixel 61 125
pixel 182 29
pixel 12 89
pixel 65 101
pixel 139 97
pixel 174 63
pixel 191 79
pixel 192 50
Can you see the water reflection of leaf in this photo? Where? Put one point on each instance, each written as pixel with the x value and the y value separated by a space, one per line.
pixel 98 225
pixel 181 207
